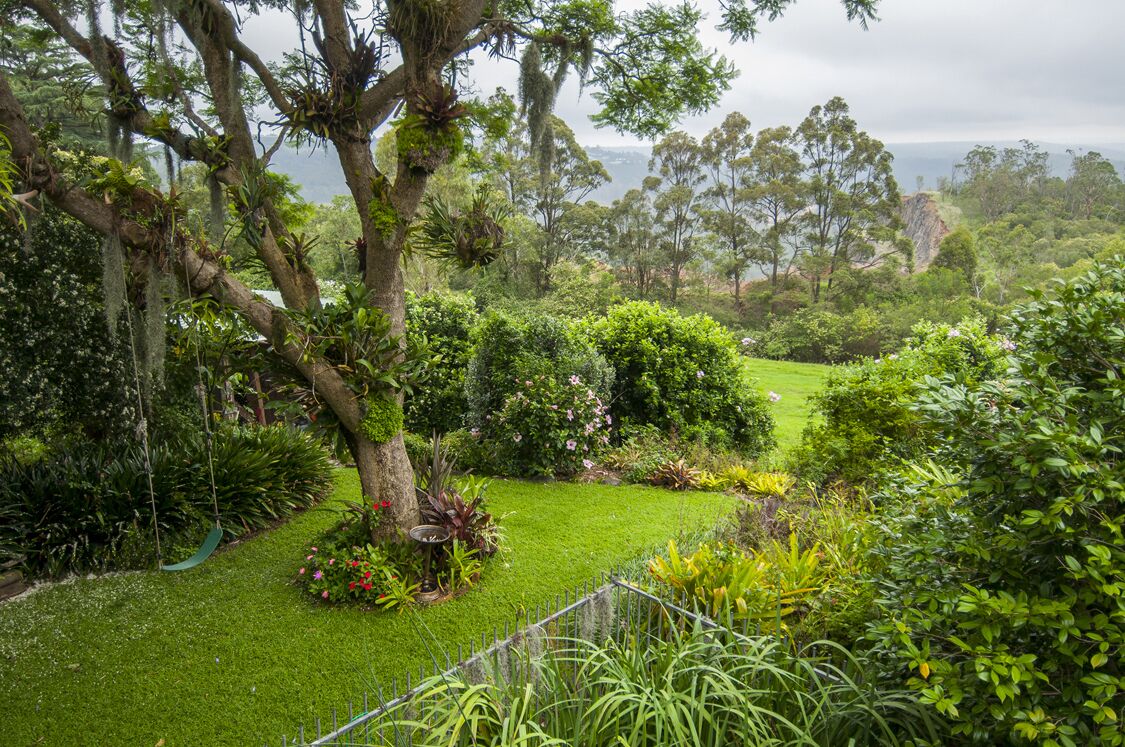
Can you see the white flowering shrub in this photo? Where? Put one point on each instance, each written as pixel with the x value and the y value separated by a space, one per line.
pixel 59 366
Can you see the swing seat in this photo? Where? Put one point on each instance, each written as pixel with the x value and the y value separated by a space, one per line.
pixel 213 538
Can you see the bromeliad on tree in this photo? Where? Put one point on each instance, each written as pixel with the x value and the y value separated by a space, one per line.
pixel 181 75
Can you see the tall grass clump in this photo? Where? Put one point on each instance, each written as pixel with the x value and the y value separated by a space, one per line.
pixel 668 687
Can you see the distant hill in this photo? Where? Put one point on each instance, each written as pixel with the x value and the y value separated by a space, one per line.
pixel 319 174
pixel 934 160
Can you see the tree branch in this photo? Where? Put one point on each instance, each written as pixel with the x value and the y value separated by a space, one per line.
pixel 205 275
pixel 139 119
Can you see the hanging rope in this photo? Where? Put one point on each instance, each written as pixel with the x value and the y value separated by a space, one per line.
pixel 204 399
pixel 142 425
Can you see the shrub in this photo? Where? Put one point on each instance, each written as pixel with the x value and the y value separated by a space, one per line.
pixel 683 374
pixel 817 335
pixel 1003 572
pixel 417 448
pixel 466 448
pixel 87 507
pixel 863 418
pixel 524 427
pixel 445 323
pixel 548 428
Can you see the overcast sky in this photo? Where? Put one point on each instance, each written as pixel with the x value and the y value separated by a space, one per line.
pixel 928 70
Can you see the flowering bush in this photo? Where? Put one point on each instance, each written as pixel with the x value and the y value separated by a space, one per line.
pixel 548 428
pixel 349 574
pixel 59 365
pixel 510 349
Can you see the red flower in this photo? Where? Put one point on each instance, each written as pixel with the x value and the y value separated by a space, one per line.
pixel 375 506
pixel 367 587
pixel 385 504
pixel 367 575
pixel 355 563
pixel 351 586
pixel 382 596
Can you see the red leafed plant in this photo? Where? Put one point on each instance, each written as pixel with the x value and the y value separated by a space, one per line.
pixel 457 507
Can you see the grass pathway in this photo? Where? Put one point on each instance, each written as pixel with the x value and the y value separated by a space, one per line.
pixel 232 653
pixel 795 382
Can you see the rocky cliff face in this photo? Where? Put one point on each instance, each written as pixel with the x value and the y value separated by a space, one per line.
pixel 924 227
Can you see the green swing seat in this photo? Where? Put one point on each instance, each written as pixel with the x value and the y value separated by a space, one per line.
pixel 213 538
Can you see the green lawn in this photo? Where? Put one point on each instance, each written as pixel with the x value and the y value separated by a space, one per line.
pixel 231 653
pixel 795 382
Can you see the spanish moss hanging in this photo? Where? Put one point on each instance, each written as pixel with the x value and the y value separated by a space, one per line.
pixel 153 328
pixel 216 216
pixel 113 280
pixel 169 166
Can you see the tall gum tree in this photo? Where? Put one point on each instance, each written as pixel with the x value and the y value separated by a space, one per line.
pixel 181 74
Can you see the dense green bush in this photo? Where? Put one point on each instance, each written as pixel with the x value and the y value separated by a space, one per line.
pixel 1004 574
pixel 818 335
pixel 87 506
pixel 511 350
pixel 681 374
pixel 863 417
pixel 445 321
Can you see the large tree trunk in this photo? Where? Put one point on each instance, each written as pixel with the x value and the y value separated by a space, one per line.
pixel 385 474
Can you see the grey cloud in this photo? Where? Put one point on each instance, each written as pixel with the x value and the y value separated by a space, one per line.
pixel 928 70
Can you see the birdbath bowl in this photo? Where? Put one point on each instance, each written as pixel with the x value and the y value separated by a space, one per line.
pixel 429 535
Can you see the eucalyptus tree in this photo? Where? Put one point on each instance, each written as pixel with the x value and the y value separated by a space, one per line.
pixel 1094 187
pixel 777 193
pixel 853 216
pixel 182 74
pixel 631 241
pixel 677 197
pixel 1003 179
pixel 565 177
pixel 726 153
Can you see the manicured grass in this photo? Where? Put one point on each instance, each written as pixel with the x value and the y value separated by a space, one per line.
pixel 232 653
pixel 795 382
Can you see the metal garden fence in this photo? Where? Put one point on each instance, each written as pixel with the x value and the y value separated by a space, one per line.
pixel 612 608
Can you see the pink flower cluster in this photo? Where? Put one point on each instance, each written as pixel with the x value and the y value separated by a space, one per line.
pixel 552 423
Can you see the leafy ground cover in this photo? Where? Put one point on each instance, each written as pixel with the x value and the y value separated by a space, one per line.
pixel 795 382
pixel 231 653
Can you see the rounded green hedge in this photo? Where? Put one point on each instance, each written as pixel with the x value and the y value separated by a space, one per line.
pixel 681 374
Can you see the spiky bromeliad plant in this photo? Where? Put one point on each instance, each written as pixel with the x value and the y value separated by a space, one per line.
pixel 468 238
pixel 457 506
pixel 675 474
